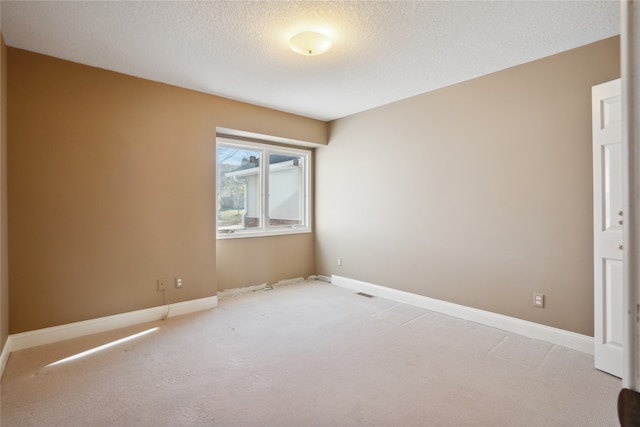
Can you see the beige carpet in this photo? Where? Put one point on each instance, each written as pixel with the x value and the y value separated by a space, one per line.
pixel 309 354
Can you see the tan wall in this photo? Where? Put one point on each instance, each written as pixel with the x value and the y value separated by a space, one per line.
pixel 111 186
pixel 479 193
pixel 254 261
pixel 4 260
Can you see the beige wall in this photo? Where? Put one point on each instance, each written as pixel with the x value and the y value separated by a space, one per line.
pixel 4 260
pixel 479 193
pixel 254 261
pixel 111 186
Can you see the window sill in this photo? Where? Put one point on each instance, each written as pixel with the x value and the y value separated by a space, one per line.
pixel 270 233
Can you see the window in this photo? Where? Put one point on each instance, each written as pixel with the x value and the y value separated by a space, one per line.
pixel 261 189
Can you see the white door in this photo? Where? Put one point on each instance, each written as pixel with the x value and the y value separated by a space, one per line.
pixel 607 226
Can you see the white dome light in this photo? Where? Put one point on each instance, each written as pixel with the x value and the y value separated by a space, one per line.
pixel 310 43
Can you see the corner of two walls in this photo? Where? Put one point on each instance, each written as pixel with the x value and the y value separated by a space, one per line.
pixel 479 193
pixel 4 261
pixel 112 187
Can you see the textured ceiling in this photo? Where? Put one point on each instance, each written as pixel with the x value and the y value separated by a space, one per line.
pixel 383 51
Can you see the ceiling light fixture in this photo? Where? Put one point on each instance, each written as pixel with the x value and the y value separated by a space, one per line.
pixel 310 43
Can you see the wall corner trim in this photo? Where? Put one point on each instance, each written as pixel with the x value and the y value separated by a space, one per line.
pixel 572 340
pixel 53 334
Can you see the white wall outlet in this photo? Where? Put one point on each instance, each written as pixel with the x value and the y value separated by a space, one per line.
pixel 161 285
pixel 538 300
pixel 178 283
pixel 340 262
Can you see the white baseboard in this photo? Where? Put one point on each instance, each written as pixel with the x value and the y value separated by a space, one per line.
pixel 4 356
pixel 537 331
pixel 38 337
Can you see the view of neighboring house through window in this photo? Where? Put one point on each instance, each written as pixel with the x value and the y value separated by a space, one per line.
pixel 261 189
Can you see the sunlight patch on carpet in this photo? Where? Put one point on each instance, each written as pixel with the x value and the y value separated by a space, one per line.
pixel 103 347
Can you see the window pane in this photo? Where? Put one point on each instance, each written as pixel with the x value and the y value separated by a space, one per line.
pixel 286 190
pixel 261 189
pixel 239 189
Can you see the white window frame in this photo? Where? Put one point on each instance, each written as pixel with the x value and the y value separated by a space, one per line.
pixel 265 229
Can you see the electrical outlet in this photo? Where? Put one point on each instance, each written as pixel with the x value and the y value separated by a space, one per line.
pixel 340 262
pixel 161 285
pixel 538 300
pixel 178 283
